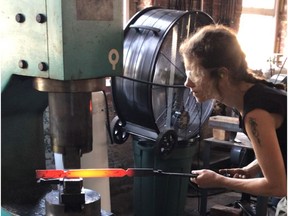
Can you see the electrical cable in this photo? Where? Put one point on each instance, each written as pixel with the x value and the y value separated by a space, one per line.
pixel 155 84
pixel 199 129
pixel 244 209
pixel 107 117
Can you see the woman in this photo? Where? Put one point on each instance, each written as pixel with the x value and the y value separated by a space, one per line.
pixel 216 69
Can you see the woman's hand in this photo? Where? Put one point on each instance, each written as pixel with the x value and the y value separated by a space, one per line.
pixel 235 173
pixel 207 178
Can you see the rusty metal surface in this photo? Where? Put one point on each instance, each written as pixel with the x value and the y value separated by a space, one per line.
pixel 95 10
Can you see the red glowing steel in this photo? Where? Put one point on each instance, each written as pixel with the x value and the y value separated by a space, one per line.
pixel 83 173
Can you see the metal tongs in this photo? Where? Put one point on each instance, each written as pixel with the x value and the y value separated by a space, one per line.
pixel 152 172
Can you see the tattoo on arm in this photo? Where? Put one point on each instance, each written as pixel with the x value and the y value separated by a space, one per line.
pixel 255 132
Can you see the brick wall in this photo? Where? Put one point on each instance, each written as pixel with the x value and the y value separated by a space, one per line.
pixel 281 36
pixel 226 12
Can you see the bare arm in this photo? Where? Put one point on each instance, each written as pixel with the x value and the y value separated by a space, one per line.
pixel 261 128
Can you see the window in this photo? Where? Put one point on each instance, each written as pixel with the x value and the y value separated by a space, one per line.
pixel 257 32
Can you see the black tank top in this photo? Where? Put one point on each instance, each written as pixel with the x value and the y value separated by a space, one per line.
pixel 272 100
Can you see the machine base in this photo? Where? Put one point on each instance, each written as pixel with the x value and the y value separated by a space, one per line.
pixel 40 209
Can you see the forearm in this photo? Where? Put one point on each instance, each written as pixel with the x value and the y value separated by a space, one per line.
pixel 254 186
pixel 274 186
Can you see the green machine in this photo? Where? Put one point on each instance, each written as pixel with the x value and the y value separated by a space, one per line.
pixel 62 40
pixel 53 53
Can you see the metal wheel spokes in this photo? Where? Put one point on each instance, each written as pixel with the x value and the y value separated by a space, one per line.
pixel 165 143
pixel 119 134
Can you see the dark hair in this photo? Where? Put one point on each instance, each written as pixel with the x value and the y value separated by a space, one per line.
pixel 216 46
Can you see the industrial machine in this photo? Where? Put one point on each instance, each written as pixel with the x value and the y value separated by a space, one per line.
pixel 54 53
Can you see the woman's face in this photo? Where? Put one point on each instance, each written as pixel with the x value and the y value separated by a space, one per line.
pixel 200 82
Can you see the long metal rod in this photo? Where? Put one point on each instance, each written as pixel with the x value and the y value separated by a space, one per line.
pixel 109 172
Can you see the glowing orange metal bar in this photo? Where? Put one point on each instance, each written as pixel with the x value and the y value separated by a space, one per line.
pixel 82 173
pixel 109 172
